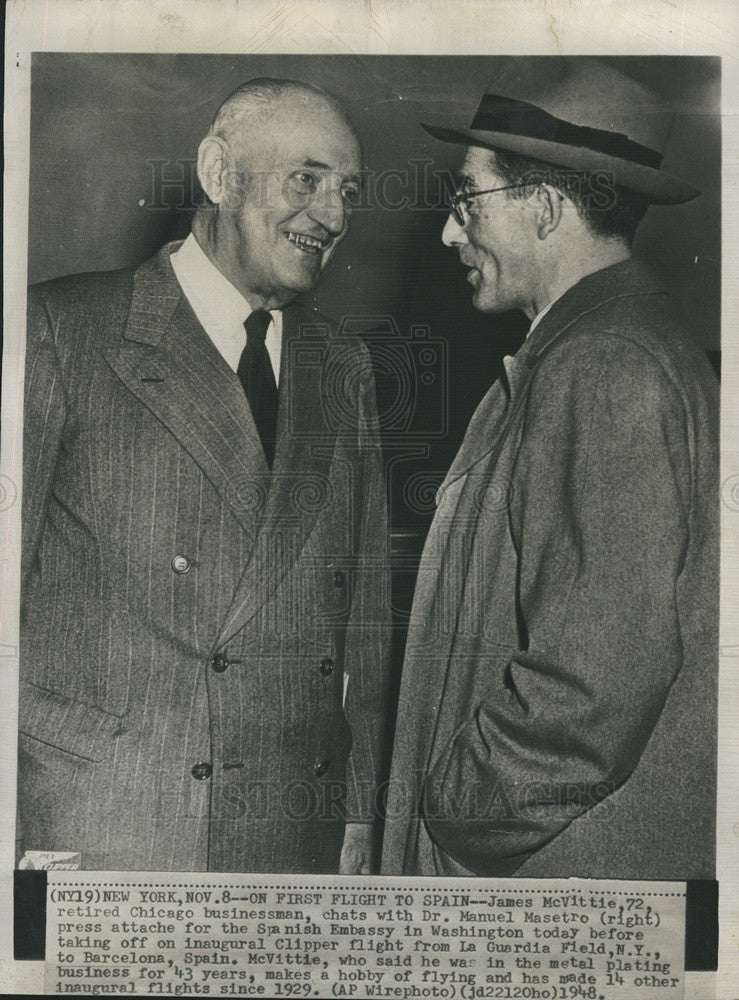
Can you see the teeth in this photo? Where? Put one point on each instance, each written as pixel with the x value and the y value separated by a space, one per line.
pixel 306 242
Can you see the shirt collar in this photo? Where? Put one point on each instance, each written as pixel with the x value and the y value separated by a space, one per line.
pixel 219 306
pixel 540 315
pixel 200 279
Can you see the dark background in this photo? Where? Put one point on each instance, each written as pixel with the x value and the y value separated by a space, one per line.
pixel 99 122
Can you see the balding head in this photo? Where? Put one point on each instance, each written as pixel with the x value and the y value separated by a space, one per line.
pixel 253 102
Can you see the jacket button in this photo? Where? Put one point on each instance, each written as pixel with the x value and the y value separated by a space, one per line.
pixel 321 768
pixel 181 564
pixel 202 771
pixel 219 662
pixel 327 666
pixel 339 578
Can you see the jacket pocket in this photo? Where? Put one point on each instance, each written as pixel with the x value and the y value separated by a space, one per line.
pixel 73 726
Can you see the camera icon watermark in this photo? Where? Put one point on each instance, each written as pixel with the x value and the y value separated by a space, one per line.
pixel 410 377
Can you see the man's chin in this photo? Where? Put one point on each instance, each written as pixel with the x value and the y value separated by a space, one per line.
pixel 310 268
pixel 306 284
pixel 301 279
pixel 485 301
pixel 480 302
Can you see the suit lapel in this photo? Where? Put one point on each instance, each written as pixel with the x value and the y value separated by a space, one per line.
pixel 169 363
pixel 299 486
pixel 622 280
pixel 483 430
pixel 489 421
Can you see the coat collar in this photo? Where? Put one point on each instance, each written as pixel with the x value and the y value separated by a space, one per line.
pixel 626 279
pixel 169 363
pixel 156 295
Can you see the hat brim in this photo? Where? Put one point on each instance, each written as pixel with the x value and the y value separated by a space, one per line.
pixel 659 187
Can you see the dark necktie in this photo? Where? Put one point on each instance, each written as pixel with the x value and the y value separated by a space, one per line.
pixel 258 379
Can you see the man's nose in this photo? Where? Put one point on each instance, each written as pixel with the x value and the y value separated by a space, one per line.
pixel 453 234
pixel 327 208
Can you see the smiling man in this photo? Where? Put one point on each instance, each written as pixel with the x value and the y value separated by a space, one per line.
pixel 557 715
pixel 203 661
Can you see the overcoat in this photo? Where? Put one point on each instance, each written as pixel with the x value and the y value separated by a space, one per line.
pixel 558 707
pixel 191 620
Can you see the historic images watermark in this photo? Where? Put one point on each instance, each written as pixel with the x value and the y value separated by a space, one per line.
pixel 503 805
pixel 417 186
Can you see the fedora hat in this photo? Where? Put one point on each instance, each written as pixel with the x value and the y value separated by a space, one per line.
pixel 582 114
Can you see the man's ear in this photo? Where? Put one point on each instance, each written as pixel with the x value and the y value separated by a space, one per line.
pixel 213 167
pixel 549 210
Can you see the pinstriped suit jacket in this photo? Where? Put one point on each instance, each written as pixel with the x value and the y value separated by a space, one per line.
pixel 139 448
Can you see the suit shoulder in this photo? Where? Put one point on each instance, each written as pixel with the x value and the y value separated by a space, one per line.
pixel 77 311
pixel 634 339
pixel 73 292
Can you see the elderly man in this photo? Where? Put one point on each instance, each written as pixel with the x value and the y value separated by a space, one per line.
pixel 557 712
pixel 197 600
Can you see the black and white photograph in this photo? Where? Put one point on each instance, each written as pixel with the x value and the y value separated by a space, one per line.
pixel 206 654
pixel 371 474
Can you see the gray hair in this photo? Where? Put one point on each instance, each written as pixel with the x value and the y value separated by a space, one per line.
pixel 254 97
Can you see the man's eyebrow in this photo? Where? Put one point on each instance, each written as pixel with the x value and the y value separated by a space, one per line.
pixel 318 165
pixel 463 179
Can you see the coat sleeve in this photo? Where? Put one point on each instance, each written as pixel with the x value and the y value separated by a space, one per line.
pixel 599 517
pixel 44 415
pixel 368 634
pixel 45 412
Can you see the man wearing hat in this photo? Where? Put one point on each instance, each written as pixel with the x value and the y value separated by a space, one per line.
pixel 558 706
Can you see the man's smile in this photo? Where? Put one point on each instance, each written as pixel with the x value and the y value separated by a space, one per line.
pixel 473 274
pixel 308 244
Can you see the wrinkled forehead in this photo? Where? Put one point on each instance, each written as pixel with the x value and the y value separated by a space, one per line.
pixel 478 168
pixel 300 129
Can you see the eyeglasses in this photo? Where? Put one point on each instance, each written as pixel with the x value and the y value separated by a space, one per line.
pixel 462 199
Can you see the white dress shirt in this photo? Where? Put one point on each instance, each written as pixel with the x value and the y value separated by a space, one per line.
pixel 540 315
pixel 220 307
pixel 508 361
